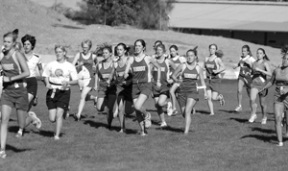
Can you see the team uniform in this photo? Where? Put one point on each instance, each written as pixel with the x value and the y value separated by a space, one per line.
pixel 142 78
pixel 214 80
pixel 104 74
pixel 56 73
pixel 188 87
pixel 164 89
pixel 258 78
pixel 32 85
pixel 85 72
pixel 177 60
pixel 245 73
pixel 281 81
pixel 14 93
pixel 124 86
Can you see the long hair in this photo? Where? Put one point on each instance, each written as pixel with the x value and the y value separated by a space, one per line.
pixel 265 56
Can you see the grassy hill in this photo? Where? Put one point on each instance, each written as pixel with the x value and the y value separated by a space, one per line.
pixel 51 28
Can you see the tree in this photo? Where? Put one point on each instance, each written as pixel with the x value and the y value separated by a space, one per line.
pixel 148 14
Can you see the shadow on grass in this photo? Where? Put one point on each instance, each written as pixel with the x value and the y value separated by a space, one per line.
pixel 240 120
pixel 228 111
pixel 266 131
pixel 16 150
pixel 112 128
pixel 205 112
pixel 172 129
pixel 46 133
pixel 13 129
pixel 264 138
pixel 66 26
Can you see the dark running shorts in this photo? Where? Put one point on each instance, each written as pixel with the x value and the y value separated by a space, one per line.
pixel 32 86
pixel 213 85
pixel 141 88
pixel 164 89
pixel 15 98
pixel 60 100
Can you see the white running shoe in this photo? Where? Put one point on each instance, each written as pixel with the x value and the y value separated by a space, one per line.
pixel 36 121
pixel 169 109
pixel 252 118
pixel 280 144
pixel 2 154
pixel 163 125
pixel 238 109
pixel 147 120
pixel 264 121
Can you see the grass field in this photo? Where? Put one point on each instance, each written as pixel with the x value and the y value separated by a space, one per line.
pixel 221 142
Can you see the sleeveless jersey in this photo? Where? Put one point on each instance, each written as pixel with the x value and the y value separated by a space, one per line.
pixel 10 69
pixel 164 71
pixel 87 64
pixel 210 66
pixel 104 74
pixel 190 78
pixel 256 74
pixel 281 76
pixel 140 71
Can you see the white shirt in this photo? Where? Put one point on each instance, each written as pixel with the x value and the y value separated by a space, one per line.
pixel 32 65
pixel 248 59
pixel 59 72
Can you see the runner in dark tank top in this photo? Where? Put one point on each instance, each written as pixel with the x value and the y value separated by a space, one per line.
pixel 140 66
pixel 214 67
pixel 190 72
pixel 85 62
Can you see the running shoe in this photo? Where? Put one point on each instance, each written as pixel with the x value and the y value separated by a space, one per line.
pixel 56 138
pixel 238 108
pixel 19 133
pixel 221 99
pixel 252 118
pixel 264 121
pixel 280 144
pixel 163 124
pixel 36 121
pixel 147 120
pixel 169 109
pixel 2 154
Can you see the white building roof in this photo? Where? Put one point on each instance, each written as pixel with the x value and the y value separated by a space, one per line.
pixel 223 15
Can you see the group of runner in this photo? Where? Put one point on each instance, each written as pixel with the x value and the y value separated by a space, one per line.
pixel 122 77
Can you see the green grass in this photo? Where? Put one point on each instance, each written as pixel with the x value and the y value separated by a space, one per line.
pixel 221 142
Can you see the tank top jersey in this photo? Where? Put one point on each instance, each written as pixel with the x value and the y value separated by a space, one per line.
pixel 140 71
pixel 190 77
pixel 104 74
pixel 177 62
pixel 210 66
pixel 164 71
pixel 10 69
pixel 87 64
pixel 256 74
pixel 245 68
pixel 281 76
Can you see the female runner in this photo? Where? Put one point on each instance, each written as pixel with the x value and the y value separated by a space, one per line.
pixel 261 70
pixel 59 75
pixel 106 88
pixel 85 61
pixel 140 65
pixel 124 86
pixel 177 60
pixel 280 79
pixel 188 91
pixel 14 93
pixel 244 78
pixel 214 66
pixel 161 94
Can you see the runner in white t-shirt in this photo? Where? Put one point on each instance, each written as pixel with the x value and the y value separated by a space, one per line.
pixel 57 78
